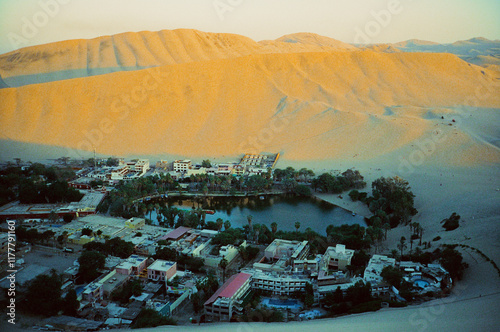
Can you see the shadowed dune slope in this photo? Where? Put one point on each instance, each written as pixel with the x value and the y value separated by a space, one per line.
pixel 309 106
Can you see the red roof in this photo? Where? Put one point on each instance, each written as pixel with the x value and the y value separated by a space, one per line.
pixel 230 287
pixel 176 233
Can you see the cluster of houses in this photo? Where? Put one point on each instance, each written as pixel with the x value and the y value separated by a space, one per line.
pixel 250 164
pixel 286 268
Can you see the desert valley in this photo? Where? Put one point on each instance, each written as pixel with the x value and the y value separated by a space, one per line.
pixel 421 111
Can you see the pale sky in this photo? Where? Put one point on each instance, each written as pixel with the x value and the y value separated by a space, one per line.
pixel 32 22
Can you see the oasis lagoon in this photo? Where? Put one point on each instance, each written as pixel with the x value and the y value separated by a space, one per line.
pixel 285 210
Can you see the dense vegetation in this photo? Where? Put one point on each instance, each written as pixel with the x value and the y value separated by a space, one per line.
pixel 113 247
pixel 90 262
pixel 151 318
pixel 131 288
pixel 43 296
pixel 37 184
pixel 452 222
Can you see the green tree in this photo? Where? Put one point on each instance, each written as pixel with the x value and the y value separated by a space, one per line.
pixel 354 195
pixel 223 265
pixel 392 276
pixel 220 223
pixel 70 303
pixel 302 190
pixel 452 261
pixel 151 318
pixel 227 225
pixel 87 231
pixel 90 262
pixel 452 222
pixel 166 253
pixel 402 245
pixel 297 225
pixel 206 163
pixel 274 227
pixel 43 294
pixel 394 196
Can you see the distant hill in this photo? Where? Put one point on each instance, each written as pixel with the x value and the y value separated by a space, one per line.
pixel 480 51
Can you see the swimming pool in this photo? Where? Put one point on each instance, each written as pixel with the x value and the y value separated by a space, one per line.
pixel 421 283
pixel 283 304
pixel 286 302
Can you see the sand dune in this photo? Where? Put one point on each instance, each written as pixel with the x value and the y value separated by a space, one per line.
pixel 133 51
pixel 308 106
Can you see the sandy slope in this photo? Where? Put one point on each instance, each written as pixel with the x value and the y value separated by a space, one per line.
pixel 309 106
pixel 132 51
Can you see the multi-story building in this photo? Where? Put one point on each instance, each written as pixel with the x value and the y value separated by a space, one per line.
pixel 141 166
pixel 280 284
pixel 375 267
pixel 182 165
pixel 161 270
pixel 281 254
pixel 336 258
pixel 228 299
pixel 284 248
pixel 133 265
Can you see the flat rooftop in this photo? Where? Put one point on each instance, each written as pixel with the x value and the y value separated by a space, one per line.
pixel 161 265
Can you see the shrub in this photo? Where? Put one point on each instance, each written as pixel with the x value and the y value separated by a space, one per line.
pixel 452 222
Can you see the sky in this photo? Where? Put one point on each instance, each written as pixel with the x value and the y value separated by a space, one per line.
pixel 32 22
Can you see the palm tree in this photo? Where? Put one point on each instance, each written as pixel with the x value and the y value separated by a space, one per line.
pixel 227 225
pixel 297 225
pixel 219 223
pixel 386 228
pixel 402 245
pixel 274 227
pixel 420 231
pixel 250 229
pixel 223 264
pixel 257 231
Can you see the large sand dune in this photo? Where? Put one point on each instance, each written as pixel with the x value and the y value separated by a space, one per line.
pixel 429 117
pixel 133 51
pixel 307 105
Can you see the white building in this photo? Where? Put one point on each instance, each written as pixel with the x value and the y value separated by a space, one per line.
pixel 375 267
pixel 337 258
pixel 228 299
pixel 162 270
pixel 182 165
pixel 281 284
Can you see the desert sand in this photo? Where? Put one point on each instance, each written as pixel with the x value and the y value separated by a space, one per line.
pixel 429 118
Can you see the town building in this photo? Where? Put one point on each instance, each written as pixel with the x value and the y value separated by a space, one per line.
pixel 375 267
pixel 279 283
pixel 281 254
pixel 135 223
pixel 182 165
pixel 133 265
pixel 162 270
pixel 337 258
pixel 228 299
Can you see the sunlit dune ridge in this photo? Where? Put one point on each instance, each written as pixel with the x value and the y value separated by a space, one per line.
pixel 324 105
pixel 131 50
